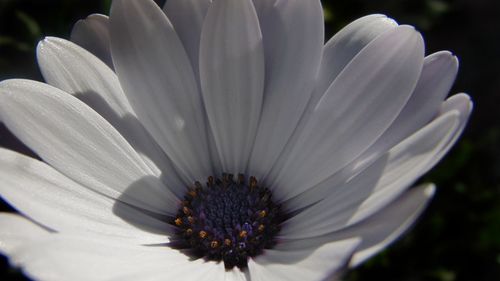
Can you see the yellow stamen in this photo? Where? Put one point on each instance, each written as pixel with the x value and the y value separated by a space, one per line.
pixel 214 244
pixel 261 228
pixel 262 213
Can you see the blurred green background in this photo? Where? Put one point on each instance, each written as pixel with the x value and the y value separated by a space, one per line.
pixel 458 237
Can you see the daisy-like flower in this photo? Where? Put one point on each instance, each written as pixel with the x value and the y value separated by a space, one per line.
pixel 221 140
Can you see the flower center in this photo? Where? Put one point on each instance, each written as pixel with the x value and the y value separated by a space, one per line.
pixel 228 220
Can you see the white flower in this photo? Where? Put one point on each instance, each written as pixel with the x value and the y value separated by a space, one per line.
pixel 338 133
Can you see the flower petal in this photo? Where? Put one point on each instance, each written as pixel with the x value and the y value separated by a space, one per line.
pixel 293 34
pixel 377 231
pixel 317 263
pixel 383 228
pixel 16 230
pixel 79 143
pixel 232 78
pixel 55 201
pixel 460 103
pixel 463 104
pixel 236 274
pixel 75 71
pixel 187 18
pixel 345 45
pixel 92 34
pixel 392 183
pixel 360 105
pixel 189 271
pixel 376 186
pixel 438 75
pixel 62 257
pixel 157 78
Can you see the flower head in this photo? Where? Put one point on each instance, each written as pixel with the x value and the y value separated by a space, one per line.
pixel 222 139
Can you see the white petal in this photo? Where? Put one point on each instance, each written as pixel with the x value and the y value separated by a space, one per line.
pixel 345 45
pixel 187 18
pixel 293 37
pixel 236 274
pixel 55 201
pixel 460 103
pixel 376 186
pixel 92 34
pixel 157 78
pixel 335 208
pixel 174 269
pixel 404 169
pixel 389 224
pixel 392 183
pixel 463 104
pixel 188 271
pixel 79 143
pixel 232 78
pixel 438 75
pixel 377 231
pixel 16 230
pixel 75 71
pixel 59 257
pixel 359 106
pixel 311 264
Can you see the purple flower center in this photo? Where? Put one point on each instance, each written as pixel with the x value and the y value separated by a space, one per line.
pixel 227 220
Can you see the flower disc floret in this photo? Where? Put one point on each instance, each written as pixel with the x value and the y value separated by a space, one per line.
pixel 228 220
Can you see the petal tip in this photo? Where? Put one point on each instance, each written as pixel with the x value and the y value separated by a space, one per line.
pixel 390 21
pixel 429 190
pixel 49 41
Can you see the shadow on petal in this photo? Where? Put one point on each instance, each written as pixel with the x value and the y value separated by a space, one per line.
pixel 341 198
pixel 153 222
pixel 144 219
pixel 128 125
pixel 139 138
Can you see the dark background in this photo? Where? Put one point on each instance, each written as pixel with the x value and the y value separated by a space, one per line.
pixel 458 237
